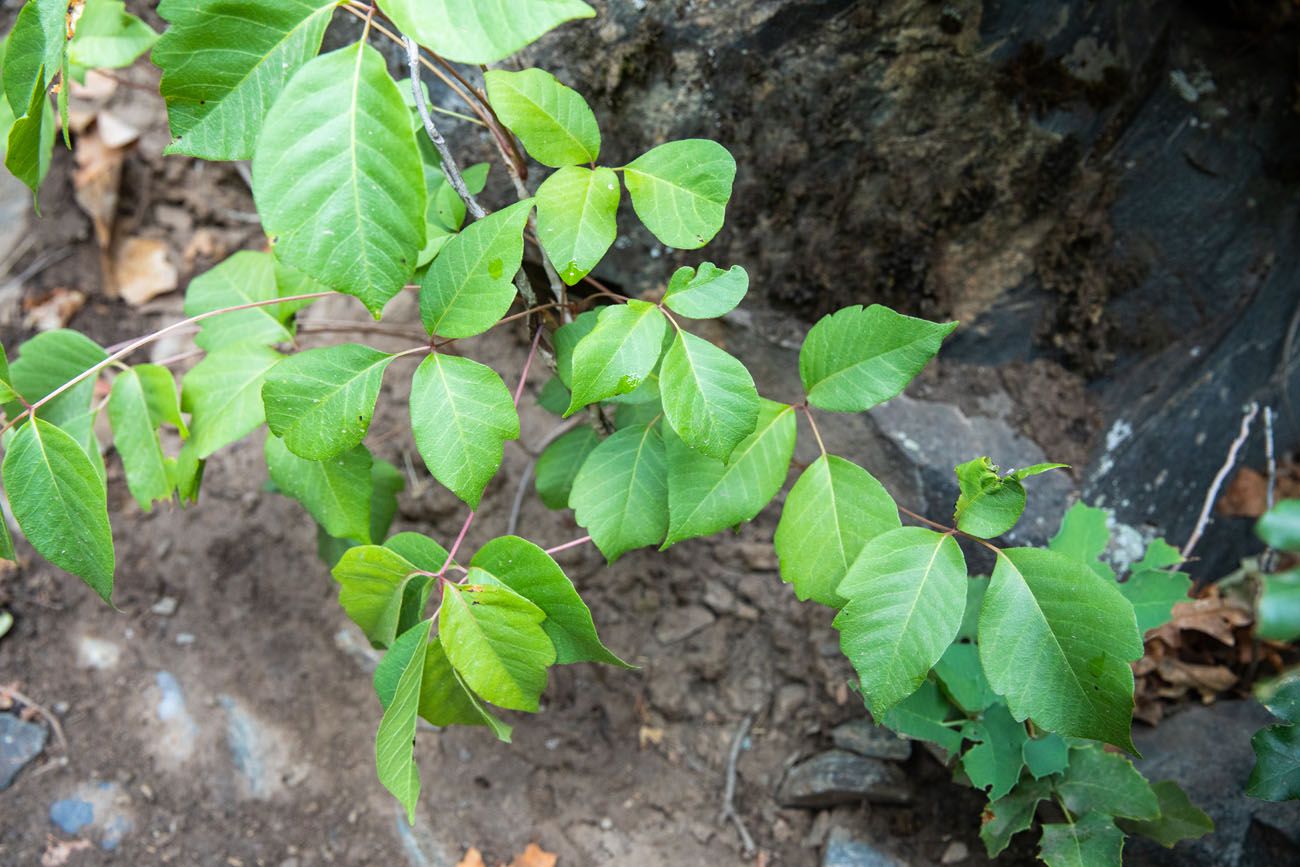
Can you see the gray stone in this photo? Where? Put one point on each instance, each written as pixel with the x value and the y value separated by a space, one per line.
pixel 864 737
pixel 682 623
pixel 843 850
pixel 20 742
pixel 839 777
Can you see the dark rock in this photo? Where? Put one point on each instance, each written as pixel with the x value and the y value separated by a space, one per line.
pixel 20 742
pixel 1207 751
pixel 839 777
pixel 843 850
pixel 864 737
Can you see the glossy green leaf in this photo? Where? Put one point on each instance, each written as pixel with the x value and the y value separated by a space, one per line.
pixel 445 700
pixel 906 592
pixel 135 435
pixel 708 396
pixel 335 492
pixel 1280 526
pixel 961 675
pixel 30 145
pixel 989 505
pixel 1282 697
pixel 1083 536
pixel 618 354
pixel 161 396
pixel 1046 755
pixel 34 51
pixel 470 285
pixel 494 639
pixel 1179 820
pixel 338 180
pixel 223 395
pixel 834 509
pixel 185 473
pixel 576 210
pixel 553 121
pixel 706 293
pixel 922 715
pixel 480 31
pixel 320 401
pixel 461 416
pixel 566 339
pixel 108 37
pixel 858 357
pixel 976 587
pixel 1056 640
pixel 1276 775
pixel 554 396
pixel 706 495
pixel 60 502
pixel 1154 594
pixel 225 63
pixel 1009 815
pixel 246 277
pixel 1092 841
pixel 680 190
pixel 444 210
pixel 44 364
pixel 382 592
pixel 621 493
pixel 1106 783
pixel 394 750
pixel 558 465
pixel 529 571
pixel 995 761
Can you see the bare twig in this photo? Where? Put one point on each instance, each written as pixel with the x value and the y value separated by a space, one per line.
pixel 449 167
pixel 1212 495
pixel 11 691
pixel 729 787
pixel 1271 456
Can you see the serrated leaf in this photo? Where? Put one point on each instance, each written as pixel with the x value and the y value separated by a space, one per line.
pixel 225 63
pixel 706 293
pixel 708 396
pixel 1179 820
pixel 494 639
pixel 338 179
pixel 470 285
pixel 620 495
pixel 394 750
pixel 320 401
pixel 529 571
pixel 461 416
pixel 856 358
pixel 223 395
pixel 558 465
pixel 135 436
pixel 553 121
pixel 480 31
pixel 618 354
pixel 832 511
pixel 566 339
pixel 108 37
pixel 706 495
pixel 1280 526
pixel 576 211
pixel 922 716
pixel 161 396
pixel 960 674
pixel 1083 536
pixel 1055 640
pixel 244 278
pixel 905 593
pixel 60 502
pixel 1009 815
pixel 1046 755
pixel 1276 775
pixel 1092 841
pixel 1154 594
pixel 382 592
pixel 335 492
pixel 680 190
pixel 995 761
pixel 1106 783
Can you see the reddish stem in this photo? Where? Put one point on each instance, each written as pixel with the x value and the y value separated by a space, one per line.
pixel 567 545
pixel 528 362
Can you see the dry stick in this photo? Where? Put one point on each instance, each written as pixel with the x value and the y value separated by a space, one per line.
pixel 1268 560
pixel 449 167
pixel 729 787
pixel 13 693
pixel 1213 493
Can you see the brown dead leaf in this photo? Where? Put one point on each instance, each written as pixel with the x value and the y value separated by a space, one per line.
pixel 142 270
pixel 96 181
pixel 115 131
pixel 1246 496
pixel 650 735
pixel 1208 680
pixel 1214 616
pixel 473 858
pixel 57 852
pixel 534 856
pixel 52 310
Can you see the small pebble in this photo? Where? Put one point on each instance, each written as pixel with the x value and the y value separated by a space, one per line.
pixel 184 639
pixel 606 823
pixel 164 607
pixel 955 853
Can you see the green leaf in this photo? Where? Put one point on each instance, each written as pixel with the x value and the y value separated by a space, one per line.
pixel 480 31
pixel 1282 697
pixel 444 210
pixel 60 502
pixel 1276 775
pixel 960 673
pixel 1179 820
pixel 906 592
pixel 620 496
pixel 1056 640
pixel 136 437
pixel 553 121
pixel 224 64
pixel 34 51
pixel 44 364
pixel 382 591
pixel 161 396
pixel 244 278
pixel 558 465
pixel 707 293
pixel 1084 536
pixel 335 492
pixel 30 145
pixel 1092 841
pixel 445 700
pixel 994 763
pixel 680 190
pixel 1280 526
pixel 418 549
pixel 470 285
pixel 834 509
pixel 576 210
pixel 709 397
pixel 394 742
pixel 618 354
pixel 922 716
pixel 529 571
pixel 856 358
pixel 108 37
pixel 566 339
pixel 185 473
pixel 706 495
pixel 1046 755
pixel 223 395
pixel 989 505
pixel 1008 816
pixel 494 639
pixel 554 397
pixel 387 482
pixel 320 402
pixel 461 415
pixel 338 180
pixel 1106 783
pixel 1154 594
pixel 976 587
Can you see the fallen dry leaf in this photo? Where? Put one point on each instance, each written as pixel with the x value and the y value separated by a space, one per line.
pixel 96 181
pixel 1214 616
pixel 534 856
pixel 57 852
pixel 1246 496
pixel 650 735
pixel 52 310
pixel 1208 680
pixel 115 132
pixel 473 858
pixel 142 270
